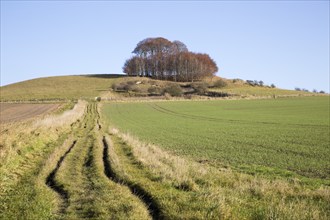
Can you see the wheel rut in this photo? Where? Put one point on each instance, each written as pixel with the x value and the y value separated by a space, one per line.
pixel 79 164
pixel 52 183
pixel 50 179
pixel 135 189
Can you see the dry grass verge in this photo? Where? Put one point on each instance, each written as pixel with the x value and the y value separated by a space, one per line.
pixel 25 147
pixel 68 117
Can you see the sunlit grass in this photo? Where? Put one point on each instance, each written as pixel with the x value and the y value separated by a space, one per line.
pixel 281 137
pixel 57 88
pixel 245 90
pixel 184 189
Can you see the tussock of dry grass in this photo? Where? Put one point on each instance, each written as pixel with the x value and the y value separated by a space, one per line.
pixel 164 165
pixel 233 195
pixel 68 117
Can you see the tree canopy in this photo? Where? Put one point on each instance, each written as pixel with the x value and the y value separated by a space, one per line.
pixel 160 58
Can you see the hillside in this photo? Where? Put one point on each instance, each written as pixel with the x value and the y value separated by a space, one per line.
pixel 89 86
pixel 58 88
pixel 241 88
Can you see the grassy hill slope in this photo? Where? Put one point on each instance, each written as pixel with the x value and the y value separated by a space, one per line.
pixel 89 86
pixel 247 90
pixel 58 88
pixel 241 88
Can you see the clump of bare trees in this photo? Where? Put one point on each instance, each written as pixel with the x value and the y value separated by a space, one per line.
pixel 162 59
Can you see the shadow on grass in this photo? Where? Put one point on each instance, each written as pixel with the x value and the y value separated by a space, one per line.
pixel 105 76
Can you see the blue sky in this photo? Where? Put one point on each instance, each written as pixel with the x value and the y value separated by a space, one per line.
pixel 280 42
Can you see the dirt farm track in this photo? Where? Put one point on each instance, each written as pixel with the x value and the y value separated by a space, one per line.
pixel 10 112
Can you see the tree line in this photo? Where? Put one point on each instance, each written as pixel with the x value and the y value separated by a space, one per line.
pixel 162 59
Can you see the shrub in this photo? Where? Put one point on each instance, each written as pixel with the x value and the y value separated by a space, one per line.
pixel 114 86
pixel 200 88
pixel 154 90
pixel 136 88
pixel 119 86
pixel 272 85
pixel 128 87
pixel 189 96
pixel 322 92
pixel 167 96
pixel 130 82
pixel 173 90
pixel 250 82
pixel 217 94
pixel 220 83
pixel 237 80
pixel 297 89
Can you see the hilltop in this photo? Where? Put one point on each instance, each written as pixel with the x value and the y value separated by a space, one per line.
pixel 61 88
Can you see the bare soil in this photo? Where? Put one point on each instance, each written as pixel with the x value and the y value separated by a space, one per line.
pixel 10 112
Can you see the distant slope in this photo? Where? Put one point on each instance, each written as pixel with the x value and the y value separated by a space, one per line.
pixel 247 90
pixel 241 88
pixel 58 88
pixel 89 86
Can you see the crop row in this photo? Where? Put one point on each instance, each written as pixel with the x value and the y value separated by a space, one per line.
pixel 289 137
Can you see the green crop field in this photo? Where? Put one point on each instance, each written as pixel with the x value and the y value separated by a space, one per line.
pixel 277 137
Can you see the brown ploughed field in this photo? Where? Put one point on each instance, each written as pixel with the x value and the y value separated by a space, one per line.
pixel 10 112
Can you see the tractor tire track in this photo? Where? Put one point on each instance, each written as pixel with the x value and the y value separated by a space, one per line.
pixel 51 178
pixel 212 119
pixel 98 120
pixel 52 183
pixel 80 169
pixel 76 180
pixel 135 189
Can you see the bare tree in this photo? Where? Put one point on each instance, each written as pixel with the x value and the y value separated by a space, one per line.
pixel 162 59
